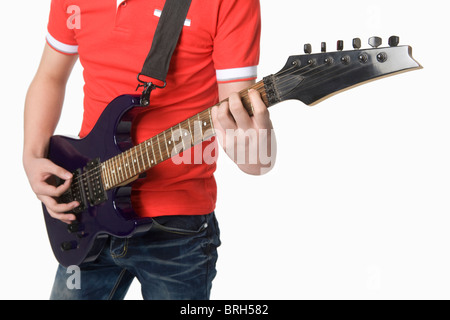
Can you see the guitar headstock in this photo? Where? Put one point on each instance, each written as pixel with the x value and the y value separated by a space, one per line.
pixel 312 78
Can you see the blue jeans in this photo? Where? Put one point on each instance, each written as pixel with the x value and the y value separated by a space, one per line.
pixel 175 260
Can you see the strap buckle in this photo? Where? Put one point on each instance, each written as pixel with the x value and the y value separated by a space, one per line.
pixel 148 88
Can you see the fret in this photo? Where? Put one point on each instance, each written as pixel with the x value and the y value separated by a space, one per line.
pixel 190 131
pixel 125 166
pixel 128 163
pixel 211 122
pixel 140 157
pixel 181 136
pixel 108 165
pixel 116 174
pixel 146 151
pixel 153 152
pixel 200 125
pixel 113 172
pixel 136 159
pixel 174 146
pixel 108 182
pixel 187 134
pixel 159 147
pixel 167 147
pixel 119 168
pixel 110 172
pixel 145 163
pixel 120 158
pixel 104 176
pixel 197 135
pixel 133 161
pixel 206 124
pixel 130 158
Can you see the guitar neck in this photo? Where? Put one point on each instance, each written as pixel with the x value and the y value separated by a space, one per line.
pixel 126 166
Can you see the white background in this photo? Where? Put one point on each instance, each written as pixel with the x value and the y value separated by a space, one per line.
pixel 358 204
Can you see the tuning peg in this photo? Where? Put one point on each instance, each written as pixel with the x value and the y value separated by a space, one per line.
pixel 394 41
pixel 356 43
pixel 375 42
pixel 323 47
pixel 307 48
pixel 340 45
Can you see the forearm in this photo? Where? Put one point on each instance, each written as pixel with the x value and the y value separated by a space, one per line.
pixel 43 106
pixel 44 100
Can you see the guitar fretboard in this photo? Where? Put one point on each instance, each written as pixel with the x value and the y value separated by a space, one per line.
pixel 124 167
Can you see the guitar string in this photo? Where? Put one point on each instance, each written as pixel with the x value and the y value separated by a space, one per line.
pixel 329 71
pixel 329 78
pixel 280 84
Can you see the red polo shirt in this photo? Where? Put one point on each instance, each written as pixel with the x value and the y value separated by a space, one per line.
pixel 219 43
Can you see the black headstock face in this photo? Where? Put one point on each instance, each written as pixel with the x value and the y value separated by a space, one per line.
pixel 312 78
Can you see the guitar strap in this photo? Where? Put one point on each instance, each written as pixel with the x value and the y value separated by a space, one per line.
pixel 168 30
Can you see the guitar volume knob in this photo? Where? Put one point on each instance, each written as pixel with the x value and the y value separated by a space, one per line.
pixel 69 245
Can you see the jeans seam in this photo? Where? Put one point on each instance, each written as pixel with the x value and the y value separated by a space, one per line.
pixel 116 285
pixel 124 251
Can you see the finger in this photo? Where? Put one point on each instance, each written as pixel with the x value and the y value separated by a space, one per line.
pixel 43 188
pixel 58 171
pixel 225 117
pixel 220 133
pixel 215 118
pixel 260 112
pixel 60 190
pixel 239 113
pixel 58 208
pixel 64 217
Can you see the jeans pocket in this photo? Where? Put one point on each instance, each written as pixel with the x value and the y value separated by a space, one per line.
pixel 181 225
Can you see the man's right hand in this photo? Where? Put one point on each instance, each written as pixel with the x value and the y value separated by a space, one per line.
pixel 40 173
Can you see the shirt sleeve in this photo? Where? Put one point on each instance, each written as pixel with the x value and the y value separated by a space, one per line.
pixel 236 44
pixel 60 30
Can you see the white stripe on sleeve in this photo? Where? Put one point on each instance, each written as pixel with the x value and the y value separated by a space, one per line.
pixel 236 73
pixel 70 49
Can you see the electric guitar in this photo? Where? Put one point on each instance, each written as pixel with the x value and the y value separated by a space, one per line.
pixel 106 162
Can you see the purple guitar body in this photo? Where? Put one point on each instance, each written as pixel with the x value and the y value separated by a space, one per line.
pixel 107 213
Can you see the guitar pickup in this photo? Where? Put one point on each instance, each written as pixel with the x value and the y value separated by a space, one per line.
pixel 93 183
